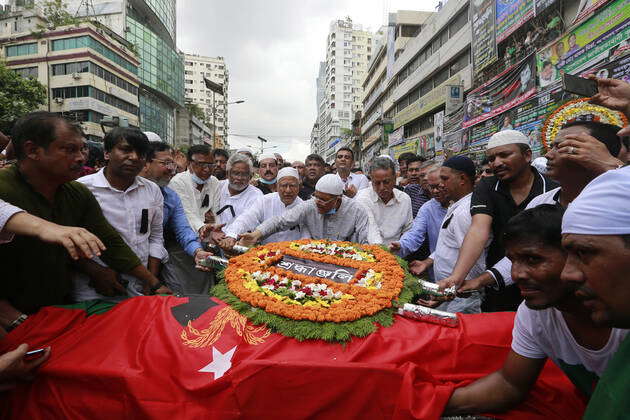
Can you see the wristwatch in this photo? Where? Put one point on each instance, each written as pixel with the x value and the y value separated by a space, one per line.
pixel 13 325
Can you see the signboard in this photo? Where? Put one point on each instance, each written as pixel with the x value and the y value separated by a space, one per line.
pixel 542 5
pixel 370 140
pixel 396 137
pixel 438 127
pixel 410 146
pixel 511 14
pixel 454 98
pixel 618 69
pixel 484 46
pixel 391 50
pixel 457 141
pixel 334 142
pixel 587 7
pixel 507 90
pixel 589 43
pixel 322 270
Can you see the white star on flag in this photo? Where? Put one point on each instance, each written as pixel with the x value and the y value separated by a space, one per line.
pixel 221 362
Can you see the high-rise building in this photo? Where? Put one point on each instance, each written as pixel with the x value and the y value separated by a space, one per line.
pixel 348 51
pixel 213 105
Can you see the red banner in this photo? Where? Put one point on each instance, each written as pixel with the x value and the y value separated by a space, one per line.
pixel 144 359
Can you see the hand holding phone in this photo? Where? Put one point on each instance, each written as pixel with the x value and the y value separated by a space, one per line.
pixel 579 85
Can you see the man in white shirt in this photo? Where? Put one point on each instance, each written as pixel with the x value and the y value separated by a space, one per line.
pixel 268 206
pixel 344 162
pixel 389 209
pixel 132 205
pixel 197 188
pixel 457 177
pixel 551 323
pixel 236 195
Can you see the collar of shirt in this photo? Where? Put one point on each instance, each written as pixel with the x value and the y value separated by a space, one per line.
pixel 539 186
pixel 395 199
pixel 100 181
pixel 458 203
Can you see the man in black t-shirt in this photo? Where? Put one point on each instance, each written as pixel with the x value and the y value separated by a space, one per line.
pixel 495 200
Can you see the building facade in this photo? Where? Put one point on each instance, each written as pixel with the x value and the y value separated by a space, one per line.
pixel 191 130
pixel 213 105
pixel 348 51
pixel 90 72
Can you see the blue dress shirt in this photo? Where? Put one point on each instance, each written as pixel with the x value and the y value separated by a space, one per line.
pixel 427 222
pixel 175 222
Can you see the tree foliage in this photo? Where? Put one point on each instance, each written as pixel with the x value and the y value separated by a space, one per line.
pixel 18 95
pixel 56 14
pixel 196 111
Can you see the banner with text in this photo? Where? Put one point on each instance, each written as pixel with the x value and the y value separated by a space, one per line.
pixel 585 8
pixel 511 14
pixel 507 90
pixel 409 146
pixel 484 45
pixel 597 39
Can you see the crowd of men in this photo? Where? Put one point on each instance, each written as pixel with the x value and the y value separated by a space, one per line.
pixel 500 232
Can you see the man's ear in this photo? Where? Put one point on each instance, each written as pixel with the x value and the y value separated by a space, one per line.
pixel 32 150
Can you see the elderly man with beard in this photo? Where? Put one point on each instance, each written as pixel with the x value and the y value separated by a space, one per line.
pixel 133 206
pixel 236 193
pixel 551 323
pixel 328 215
pixel 389 209
pixel 197 188
pixel 494 201
pixel 315 169
pixel 184 248
pixel 268 206
pixel 573 175
pixel 268 171
pixel 596 236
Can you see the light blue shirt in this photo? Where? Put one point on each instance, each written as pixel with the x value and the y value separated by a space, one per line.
pixel 427 223
pixel 176 223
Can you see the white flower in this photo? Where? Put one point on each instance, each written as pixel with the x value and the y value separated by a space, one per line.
pixel 299 295
pixel 296 283
pixel 268 286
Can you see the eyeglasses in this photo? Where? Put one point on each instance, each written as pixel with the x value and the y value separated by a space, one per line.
pixel 167 163
pixel 239 174
pixel 204 165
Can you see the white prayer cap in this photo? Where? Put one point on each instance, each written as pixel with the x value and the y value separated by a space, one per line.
pixel 540 163
pixel 507 137
pixel 602 206
pixel 152 136
pixel 266 156
pixel 245 150
pixel 330 184
pixel 386 157
pixel 288 171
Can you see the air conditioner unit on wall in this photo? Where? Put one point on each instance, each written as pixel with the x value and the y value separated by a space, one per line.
pixel 76 76
pixel 59 100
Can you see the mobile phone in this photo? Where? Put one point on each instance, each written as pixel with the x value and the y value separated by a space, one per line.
pixel 34 354
pixel 579 85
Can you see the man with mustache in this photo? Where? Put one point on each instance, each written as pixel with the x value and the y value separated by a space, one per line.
pixel 315 169
pixel 597 240
pixel 133 206
pixel 268 171
pixel 494 201
pixel 551 323
pixel 344 162
pixel 221 157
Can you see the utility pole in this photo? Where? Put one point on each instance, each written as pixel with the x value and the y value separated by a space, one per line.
pixel 262 144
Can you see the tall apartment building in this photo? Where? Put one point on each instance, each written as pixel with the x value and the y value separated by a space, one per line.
pixel 89 71
pixel 405 84
pixel 348 51
pixel 214 106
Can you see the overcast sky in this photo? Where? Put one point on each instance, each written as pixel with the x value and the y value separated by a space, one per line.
pixel 272 49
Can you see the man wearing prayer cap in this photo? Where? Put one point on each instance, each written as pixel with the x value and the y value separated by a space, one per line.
pixel 268 206
pixel 457 179
pixel 494 201
pixel 328 215
pixel 268 171
pixel 247 151
pixel 596 237
pixel 572 174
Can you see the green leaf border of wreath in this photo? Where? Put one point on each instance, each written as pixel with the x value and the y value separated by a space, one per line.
pixel 340 332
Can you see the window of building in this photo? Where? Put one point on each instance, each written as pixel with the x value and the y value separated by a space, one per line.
pixel 188 72
pixel 188 81
pixel 89 91
pixel 23 49
pixel 458 23
pixel 188 63
pixel 27 72
pixel 89 42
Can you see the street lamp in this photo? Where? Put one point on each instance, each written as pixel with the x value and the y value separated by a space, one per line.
pixel 217 88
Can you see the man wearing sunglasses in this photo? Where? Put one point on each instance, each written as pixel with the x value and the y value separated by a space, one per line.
pixel 327 215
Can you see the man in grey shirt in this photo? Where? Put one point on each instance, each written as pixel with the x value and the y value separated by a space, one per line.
pixel 328 215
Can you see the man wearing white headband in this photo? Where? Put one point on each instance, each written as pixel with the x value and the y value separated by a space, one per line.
pixel 268 206
pixel 268 171
pixel 236 193
pixel 328 215
pixel 494 201
pixel 596 236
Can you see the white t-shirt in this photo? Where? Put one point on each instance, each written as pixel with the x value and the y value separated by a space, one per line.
pixel 544 333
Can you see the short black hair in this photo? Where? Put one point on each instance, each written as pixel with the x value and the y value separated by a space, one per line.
pixel 221 152
pixel 40 127
pixel 606 133
pixel 157 147
pixel 546 63
pixel 542 224
pixel 355 170
pixel 416 159
pixel 523 147
pixel 346 149
pixel 315 157
pixel 405 157
pixel 198 149
pixel 95 154
pixel 135 137
pixel 484 161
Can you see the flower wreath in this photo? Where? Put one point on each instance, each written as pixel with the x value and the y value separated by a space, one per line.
pixel 579 109
pixel 309 307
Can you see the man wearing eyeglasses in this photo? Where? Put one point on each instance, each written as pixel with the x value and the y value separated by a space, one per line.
pixel 328 215
pixel 182 243
pixel 197 188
